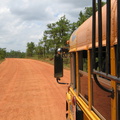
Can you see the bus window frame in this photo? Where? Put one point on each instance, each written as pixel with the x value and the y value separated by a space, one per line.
pixel 82 55
pixel 73 69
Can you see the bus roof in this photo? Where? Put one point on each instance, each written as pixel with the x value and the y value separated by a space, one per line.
pixel 81 39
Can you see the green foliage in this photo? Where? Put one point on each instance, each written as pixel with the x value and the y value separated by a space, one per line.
pixel 54 37
pixel 15 54
pixel 73 27
pixel 39 50
pixel 30 49
pixel 57 34
pixel 83 16
pixel 2 53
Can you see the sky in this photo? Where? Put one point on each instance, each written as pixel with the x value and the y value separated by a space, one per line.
pixel 23 21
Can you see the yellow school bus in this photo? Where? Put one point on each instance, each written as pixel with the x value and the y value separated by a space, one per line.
pixel 94 90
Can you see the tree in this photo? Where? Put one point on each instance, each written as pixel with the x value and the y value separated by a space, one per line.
pixel 2 53
pixel 39 49
pixel 15 54
pixel 83 16
pixel 73 27
pixel 57 34
pixel 30 49
pixel 63 26
pixel 46 43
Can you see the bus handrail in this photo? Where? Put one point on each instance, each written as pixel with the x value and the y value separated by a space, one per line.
pixel 108 76
pixel 108 36
pixel 102 87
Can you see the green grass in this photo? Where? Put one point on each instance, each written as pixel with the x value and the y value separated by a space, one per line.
pixel 50 60
pixel 1 61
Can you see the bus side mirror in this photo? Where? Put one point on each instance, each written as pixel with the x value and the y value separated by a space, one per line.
pixel 58 66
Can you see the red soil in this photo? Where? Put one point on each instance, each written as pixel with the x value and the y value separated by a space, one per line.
pixel 29 91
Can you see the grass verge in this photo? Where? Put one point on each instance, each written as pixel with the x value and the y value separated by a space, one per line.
pixel 1 61
pixel 50 60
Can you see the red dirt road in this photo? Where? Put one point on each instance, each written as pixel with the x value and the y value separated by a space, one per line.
pixel 29 91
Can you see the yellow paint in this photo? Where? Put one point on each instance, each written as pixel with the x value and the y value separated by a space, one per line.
pixel 81 38
pixel 114 86
pixel 77 73
pixel 85 117
pixel 89 81
pixel 85 108
pixel 69 102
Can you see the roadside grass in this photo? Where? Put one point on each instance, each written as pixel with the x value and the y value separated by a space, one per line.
pixel 50 60
pixel 1 60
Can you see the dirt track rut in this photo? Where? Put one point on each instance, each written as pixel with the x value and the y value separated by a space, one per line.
pixel 28 91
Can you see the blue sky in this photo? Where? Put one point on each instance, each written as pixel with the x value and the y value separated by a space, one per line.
pixel 23 21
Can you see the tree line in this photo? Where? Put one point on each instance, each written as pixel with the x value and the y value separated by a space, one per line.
pixel 15 54
pixel 57 34
pixel 12 54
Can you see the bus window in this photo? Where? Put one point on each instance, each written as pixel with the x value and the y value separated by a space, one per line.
pixel 83 75
pixel 73 69
pixel 103 58
pixel 101 101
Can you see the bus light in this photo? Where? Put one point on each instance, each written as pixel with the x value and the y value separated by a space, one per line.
pixel 74 100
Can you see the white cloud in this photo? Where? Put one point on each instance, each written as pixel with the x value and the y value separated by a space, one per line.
pixel 23 21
